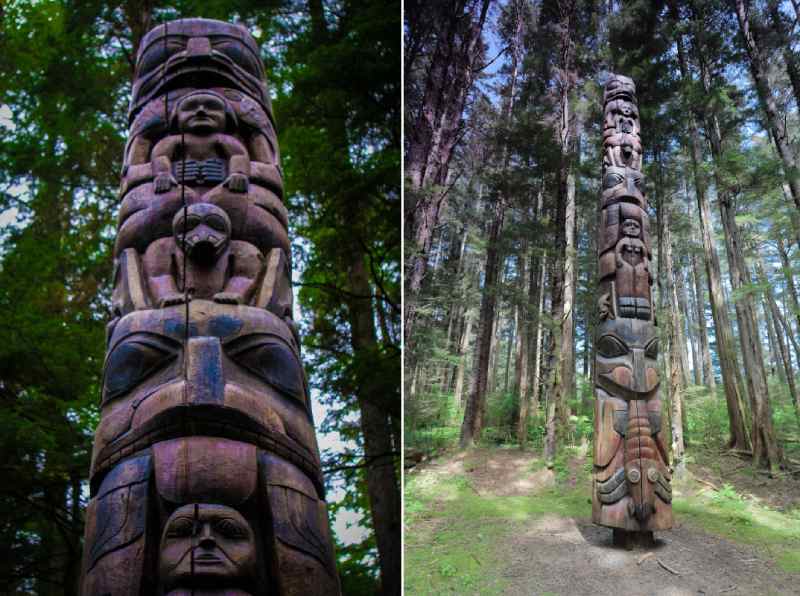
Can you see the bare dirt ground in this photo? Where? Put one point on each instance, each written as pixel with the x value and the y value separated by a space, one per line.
pixel 569 556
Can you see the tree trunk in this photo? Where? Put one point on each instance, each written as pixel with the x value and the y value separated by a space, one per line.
pixel 762 436
pixel 784 352
pixel 789 57
pixel 709 378
pixel 777 129
pixel 725 346
pixel 379 451
pixel 676 385
pixel 434 134
pixel 472 425
pixel 462 359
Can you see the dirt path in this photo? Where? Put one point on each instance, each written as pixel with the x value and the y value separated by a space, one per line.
pixel 565 554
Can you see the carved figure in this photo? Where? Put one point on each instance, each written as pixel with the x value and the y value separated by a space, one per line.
pixel 631 479
pixel 201 260
pixel 207 155
pixel 205 476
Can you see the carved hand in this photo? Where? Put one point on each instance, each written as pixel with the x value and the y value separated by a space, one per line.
pixel 228 298
pixel 171 299
pixel 237 183
pixel 163 182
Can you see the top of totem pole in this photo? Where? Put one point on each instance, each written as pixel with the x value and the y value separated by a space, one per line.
pixel 197 53
pixel 619 87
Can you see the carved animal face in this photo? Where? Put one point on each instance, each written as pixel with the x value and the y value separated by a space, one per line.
pixel 173 55
pixel 234 373
pixel 619 86
pixel 205 545
pixel 627 353
pixel 204 232
pixel 201 113
pixel 620 183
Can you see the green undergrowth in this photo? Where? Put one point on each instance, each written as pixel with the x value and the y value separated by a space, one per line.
pixel 775 534
pixel 453 535
pixel 457 540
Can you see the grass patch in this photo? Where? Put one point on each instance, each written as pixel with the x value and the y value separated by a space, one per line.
pixel 729 514
pixel 454 535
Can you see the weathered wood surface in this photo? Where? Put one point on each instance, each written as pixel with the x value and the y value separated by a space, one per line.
pixel 205 474
pixel 631 489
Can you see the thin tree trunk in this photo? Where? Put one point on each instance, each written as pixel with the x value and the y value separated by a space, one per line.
pixel 762 436
pixel 462 359
pixel 472 424
pixel 777 129
pixel 709 378
pixel 433 137
pixel 676 381
pixel 789 57
pixel 380 453
pixel 725 346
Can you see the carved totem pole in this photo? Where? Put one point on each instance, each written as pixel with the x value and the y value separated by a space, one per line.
pixel 205 475
pixel 631 490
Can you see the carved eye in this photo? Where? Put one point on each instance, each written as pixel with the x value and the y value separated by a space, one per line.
pixel 637 180
pixel 238 53
pixel 230 529
pixel 182 527
pixel 216 222
pixel 132 361
pixel 611 347
pixel 612 180
pixel 651 351
pixel 272 360
pixel 157 53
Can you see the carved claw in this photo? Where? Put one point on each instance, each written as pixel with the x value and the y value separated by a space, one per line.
pixel 236 183
pixel 163 182
pixel 227 298
pixel 171 300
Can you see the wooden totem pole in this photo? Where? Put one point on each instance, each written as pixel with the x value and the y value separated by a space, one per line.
pixel 631 490
pixel 205 476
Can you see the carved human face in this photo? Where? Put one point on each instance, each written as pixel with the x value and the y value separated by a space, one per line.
pixel 207 544
pixel 201 113
pixel 631 228
pixel 620 182
pixel 204 232
pixel 627 365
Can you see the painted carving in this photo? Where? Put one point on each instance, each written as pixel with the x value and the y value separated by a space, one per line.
pixel 206 476
pixel 631 478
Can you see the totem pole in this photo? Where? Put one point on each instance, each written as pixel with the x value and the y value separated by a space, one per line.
pixel 205 476
pixel 631 490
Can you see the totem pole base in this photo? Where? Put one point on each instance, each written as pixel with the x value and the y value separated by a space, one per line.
pixel 633 540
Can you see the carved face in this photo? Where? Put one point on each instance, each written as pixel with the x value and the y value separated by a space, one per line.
pixel 631 227
pixel 234 373
pixel 206 545
pixel 204 232
pixel 622 182
pixel 619 86
pixel 201 113
pixel 627 353
pixel 171 56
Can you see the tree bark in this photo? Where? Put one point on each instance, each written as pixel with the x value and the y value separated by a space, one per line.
pixel 762 436
pixel 434 134
pixel 472 424
pixel 725 346
pixel 789 57
pixel 758 70
pixel 379 451
pixel 676 384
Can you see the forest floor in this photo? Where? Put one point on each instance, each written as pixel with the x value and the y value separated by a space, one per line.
pixel 496 521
